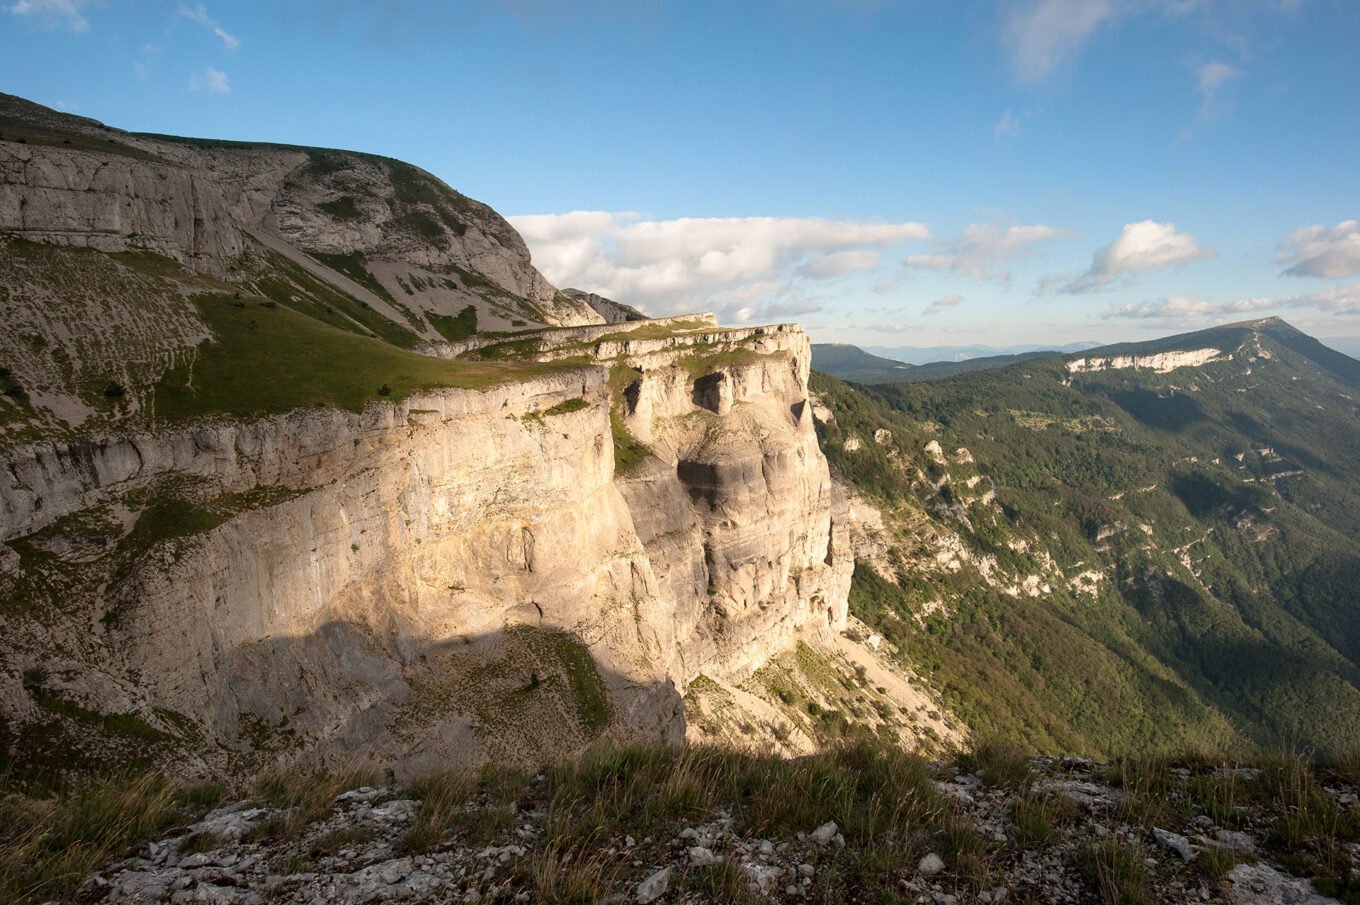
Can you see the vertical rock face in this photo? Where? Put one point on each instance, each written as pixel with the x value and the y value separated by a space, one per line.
pixel 421 582
pixel 82 199
pixel 738 441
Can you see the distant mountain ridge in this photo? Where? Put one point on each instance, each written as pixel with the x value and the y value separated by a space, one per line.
pixel 854 364
pixel 857 366
pixel 1230 337
pixel 921 355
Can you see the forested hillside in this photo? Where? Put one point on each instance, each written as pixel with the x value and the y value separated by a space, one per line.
pixel 1156 543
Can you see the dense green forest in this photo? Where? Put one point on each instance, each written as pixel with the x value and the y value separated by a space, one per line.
pixel 1194 537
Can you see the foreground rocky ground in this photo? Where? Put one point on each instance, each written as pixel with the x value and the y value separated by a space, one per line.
pixel 857 825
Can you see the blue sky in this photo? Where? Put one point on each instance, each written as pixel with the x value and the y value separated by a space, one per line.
pixel 891 173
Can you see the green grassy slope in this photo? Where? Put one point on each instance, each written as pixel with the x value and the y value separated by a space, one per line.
pixel 265 357
pixel 172 345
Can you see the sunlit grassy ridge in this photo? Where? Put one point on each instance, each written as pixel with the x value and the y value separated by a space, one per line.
pixel 267 358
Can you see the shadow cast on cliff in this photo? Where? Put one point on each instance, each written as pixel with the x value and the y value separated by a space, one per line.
pixel 526 694
pixel 347 694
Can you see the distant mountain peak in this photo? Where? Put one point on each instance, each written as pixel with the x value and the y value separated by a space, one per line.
pixel 1229 339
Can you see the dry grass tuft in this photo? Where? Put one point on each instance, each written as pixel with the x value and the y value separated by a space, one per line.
pixel 49 846
pixel 304 796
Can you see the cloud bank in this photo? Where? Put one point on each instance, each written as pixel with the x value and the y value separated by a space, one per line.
pixel 743 267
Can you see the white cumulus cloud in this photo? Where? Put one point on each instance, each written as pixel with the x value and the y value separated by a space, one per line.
pixel 1316 251
pixel 53 13
pixel 744 267
pixel 984 250
pixel 213 81
pixel 1143 246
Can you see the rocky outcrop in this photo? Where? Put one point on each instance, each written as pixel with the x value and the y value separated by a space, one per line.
pixel 1057 830
pixel 418 582
pixel 739 434
pixel 101 201
pixel 1161 362
pixel 380 230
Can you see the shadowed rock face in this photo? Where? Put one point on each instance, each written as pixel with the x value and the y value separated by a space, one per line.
pixel 383 582
pixel 714 393
pixel 346 694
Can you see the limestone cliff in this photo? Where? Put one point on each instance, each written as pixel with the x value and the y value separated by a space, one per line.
pixel 419 581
